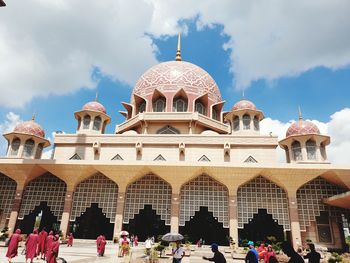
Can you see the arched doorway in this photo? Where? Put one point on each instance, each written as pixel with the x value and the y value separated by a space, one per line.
pixel 94 207
pixel 204 203
pixel 39 218
pixel 147 224
pixel 92 223
pixel 147 200
pixel 204 225
pixel 262 226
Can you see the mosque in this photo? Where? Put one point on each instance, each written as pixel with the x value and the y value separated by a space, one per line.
pixel 177 163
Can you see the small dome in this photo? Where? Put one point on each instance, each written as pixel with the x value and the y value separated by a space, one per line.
pixel 31 128
pixel 94 106
pixel 302 127
pixel 243 105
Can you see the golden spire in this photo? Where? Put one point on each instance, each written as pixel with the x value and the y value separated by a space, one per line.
pixel 96 97
pixel 33 117
pixel 178 52
pixel 300 116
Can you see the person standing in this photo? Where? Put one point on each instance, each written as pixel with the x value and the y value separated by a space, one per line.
pixel 313 256
pixel 261 251
pixel 49 241
pixel 218 256
pixel 148 245
pixel 102 246
pixel 70 240
pixel 42 243
pixel 98 243
pixel 53 250
pixel 252 255
pixel 178 253
pixel 290 252
pixel 12 250
pixel 269 254
pixel 136 240
pixel 32 245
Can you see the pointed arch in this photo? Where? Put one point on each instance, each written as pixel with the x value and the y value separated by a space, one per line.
pixel 204 191
pixel 180 101
pixel 7 195
pixel 261 193
pixel 96 189
pixel 45 188
pixel 140 104
pixel 201 104
pixel 148 190
pixel 158 101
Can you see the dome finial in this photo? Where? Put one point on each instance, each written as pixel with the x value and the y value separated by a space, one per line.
pixel 178 52
pixel 242 94
pixel 33 116
pixel 96 97
pixel 300 116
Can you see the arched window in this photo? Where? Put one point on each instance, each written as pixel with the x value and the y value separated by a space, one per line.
pixel 199 107
pixel 246 122
pixel 256 123
pixel 39 151
pixel 97 123
pixel 86 122
pixel 180 105
pixel 215 115
pixel 311 149
pixel 142 107
pixel 28 148
pixel 15 146
pixel 296 149
pixel 236 123
pixel 159 105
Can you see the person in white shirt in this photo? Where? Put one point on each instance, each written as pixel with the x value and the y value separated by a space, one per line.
pixel 178 253
pixel 148 245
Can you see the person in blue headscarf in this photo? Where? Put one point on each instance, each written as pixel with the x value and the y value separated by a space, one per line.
pixel 218 256
pixel 252 255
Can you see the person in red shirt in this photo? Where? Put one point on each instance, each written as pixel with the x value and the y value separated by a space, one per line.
pixel 102 246
pixel 42 243
pixel 49 241
pixel 269 253
pixel 70 240
pixel 12 250
pixel 261 251
pixel 54 249
pixel 32 245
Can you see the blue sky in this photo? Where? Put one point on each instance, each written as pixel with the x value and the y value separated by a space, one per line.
pixel 286 73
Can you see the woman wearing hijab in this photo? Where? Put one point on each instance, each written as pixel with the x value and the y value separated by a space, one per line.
pixel 32 245
pixel 102 247
pixel 269 255
pixel 12 250
pixel 53 252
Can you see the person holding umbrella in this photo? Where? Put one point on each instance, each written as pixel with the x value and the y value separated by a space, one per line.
pixel 178 252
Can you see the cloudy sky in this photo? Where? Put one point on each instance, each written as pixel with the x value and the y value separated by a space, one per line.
pixel 55 55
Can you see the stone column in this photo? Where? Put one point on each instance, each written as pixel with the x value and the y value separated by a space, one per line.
pixel 233 216
pixel 68 202
pixel 118 224
pixel 294 222
pixel 175 209
pixel 15 210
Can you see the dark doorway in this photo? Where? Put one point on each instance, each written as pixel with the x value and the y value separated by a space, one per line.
pixel 92 223
pixel 146 224
pixel 204 225
pixel 40 217
pixel 260 227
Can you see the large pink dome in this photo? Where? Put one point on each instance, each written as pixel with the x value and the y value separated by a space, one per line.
pixel 169 77
pixel 243 105
pixel 31 128
pixel 94 106
pixel 302 127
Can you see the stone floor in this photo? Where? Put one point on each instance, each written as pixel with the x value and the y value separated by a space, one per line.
pixel 83 252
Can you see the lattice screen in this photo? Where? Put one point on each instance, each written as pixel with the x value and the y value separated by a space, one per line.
pixel 206 192
pixel 97 189
pixel 7 195
pixel 261 193
pixel 310 201
pixel 46 188
pixel 149 190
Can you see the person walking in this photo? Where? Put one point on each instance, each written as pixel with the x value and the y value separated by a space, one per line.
pixel 218 256
pixel 313 256
pixel 70 240
pixel 32 245
pixel 49 241
pixel 252 255
pixel 42 243
pixel 269 255
pixel 290 252
pixel 178 253
pixel 12 250
pixel 53 250
pixel 102 246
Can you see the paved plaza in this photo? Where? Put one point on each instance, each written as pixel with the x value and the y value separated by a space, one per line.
pixel 86 252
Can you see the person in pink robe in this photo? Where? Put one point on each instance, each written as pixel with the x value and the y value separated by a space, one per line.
pixel 49 241
pixel 136 241
pixel 52 253
pixel 12 250
pixel 42 243
pixel 70 240
pixel 269 254
pixel 98 242
pixel 32 245
pixel 102 246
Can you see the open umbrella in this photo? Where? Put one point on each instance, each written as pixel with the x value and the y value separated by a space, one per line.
pixel 124 233
pixel 171 237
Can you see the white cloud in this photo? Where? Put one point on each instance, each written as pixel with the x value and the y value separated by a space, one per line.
pixel 11 120
pixel 338 128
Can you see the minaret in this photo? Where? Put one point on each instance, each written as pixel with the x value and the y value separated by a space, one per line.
pixel 178 52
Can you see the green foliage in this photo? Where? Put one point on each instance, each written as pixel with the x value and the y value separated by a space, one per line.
pixel 245 242
pixel 335 258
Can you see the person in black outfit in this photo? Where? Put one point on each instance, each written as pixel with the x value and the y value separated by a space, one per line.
pixel 218 256
pixel 313 256
pixel 290 252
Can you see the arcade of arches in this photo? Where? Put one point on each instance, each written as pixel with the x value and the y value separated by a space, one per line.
pixel 202 209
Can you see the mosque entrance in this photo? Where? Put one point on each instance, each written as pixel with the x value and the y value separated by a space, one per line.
pixel 147 224
pixel 261 226
pixel 39 218
pixel 204 225
pixel 92 223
